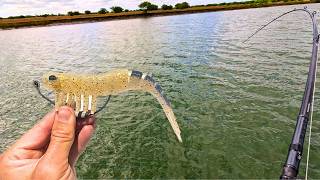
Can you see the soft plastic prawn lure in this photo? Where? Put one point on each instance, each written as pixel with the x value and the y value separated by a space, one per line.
pixel 81 91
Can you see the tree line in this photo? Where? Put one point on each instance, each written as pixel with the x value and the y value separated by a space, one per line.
pixel 144 6
pixel 147 6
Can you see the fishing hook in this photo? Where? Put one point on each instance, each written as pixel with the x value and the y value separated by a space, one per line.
pixel 36 84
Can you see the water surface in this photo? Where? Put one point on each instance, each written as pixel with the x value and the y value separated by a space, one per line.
pixel 236 103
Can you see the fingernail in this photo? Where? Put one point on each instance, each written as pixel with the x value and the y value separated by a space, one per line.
pixel 64 114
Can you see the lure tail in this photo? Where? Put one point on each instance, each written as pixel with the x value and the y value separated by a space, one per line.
pixel 144 82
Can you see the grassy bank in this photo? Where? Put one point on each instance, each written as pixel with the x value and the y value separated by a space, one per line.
pixel 6 23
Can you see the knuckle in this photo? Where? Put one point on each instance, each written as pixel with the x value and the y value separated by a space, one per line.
pixel 62 134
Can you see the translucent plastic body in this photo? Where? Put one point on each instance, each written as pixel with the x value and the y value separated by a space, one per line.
pixel 81 91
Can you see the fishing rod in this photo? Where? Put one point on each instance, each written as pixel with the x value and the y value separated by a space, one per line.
pixel 291 167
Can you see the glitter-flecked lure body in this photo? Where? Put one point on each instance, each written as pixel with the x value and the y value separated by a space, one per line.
pixel 81 91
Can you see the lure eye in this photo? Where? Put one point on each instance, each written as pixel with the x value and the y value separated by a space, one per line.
pixel 52 77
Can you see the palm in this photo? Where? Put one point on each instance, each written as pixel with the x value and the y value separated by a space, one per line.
pixel 35 169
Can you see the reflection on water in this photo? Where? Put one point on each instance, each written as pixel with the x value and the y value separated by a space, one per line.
pixel 236 103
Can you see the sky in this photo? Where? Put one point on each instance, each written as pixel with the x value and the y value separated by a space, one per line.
pixel 38 7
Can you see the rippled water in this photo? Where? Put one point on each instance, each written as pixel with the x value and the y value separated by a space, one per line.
pixel 236 103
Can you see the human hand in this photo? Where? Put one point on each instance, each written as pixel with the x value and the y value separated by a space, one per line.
pixel 50 149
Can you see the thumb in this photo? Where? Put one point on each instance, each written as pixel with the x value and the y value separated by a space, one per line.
pixel 62 135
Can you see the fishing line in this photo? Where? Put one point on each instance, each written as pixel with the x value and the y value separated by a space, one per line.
pixel 265 25
pixel 268 24
pixel 291 166
pixel 310 128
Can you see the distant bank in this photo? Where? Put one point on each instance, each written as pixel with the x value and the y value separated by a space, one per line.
pixel 6 23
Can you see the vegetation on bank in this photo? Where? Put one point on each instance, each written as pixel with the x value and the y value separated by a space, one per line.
pixel 145 8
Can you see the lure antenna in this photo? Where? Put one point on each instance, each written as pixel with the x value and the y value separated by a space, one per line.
pixel 291 167
pixel 36 84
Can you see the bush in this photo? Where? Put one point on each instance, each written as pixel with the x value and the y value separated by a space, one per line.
pixel 250 2
pixel 70 13
pixel 147 6
pixel 212 4
pixel 16 17
pixel 116 9
pixel 87 12
pixel 183 5
pixel 126 10
pixel 166 7
pixel 144 5
pixel 152 7
pixel 103 11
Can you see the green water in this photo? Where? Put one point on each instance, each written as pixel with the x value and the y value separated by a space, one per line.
pixel 236 103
